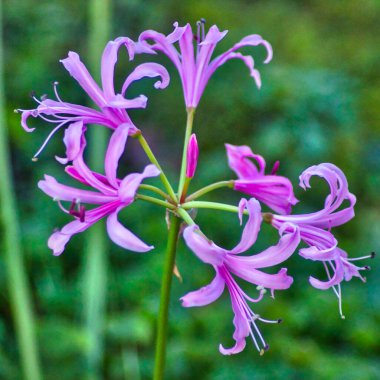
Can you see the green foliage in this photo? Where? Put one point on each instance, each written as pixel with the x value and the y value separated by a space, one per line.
pixel 319 103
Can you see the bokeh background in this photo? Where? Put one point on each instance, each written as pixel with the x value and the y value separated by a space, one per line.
pixel 95 318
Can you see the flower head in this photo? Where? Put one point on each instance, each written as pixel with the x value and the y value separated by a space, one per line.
pixel 108 193
pixel 196 67
pixel 111 106
pixel 273 190
pixel 315 228
pixel 228 262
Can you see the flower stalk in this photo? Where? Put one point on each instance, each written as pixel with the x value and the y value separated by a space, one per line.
pixel 162 321
pixel 209 188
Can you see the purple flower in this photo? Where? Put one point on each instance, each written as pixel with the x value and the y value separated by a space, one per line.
pixel 315 228
pixel 109 193
pixel 195 69
pixel 112 107
pixel 227 263
pixel 192 156
pixel 273 190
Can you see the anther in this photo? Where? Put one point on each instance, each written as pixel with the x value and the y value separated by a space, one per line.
pixel 203 20
pixel 279 320
pixel 262 352
pixel 16 111
pixel 34 159
pixel 266 347
pixel 373 255
pixel 367 267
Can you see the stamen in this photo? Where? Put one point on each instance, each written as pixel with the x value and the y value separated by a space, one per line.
pixel 47 140
pixel 80 212
pixel 370 256
pixel 203 22
pixel 277 321
pixel 55 85
pixel 275 168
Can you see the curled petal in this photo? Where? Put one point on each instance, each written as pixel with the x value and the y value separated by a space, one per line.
pixel 123 237
pixel 131 182
pixel 239 161
pixel 80 73
pixel 109 59
pixel 334 280
pixel 24 117
pixel 115 149
pixel 73 141
pixel 150 70
pixel 252 227
pixel 205 295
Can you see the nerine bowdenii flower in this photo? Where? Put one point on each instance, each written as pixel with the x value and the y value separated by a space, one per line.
pixel 194 60
pixel 315 228
pixel 108 193
pixel 228 263
pixel 111 107
pixel 273 190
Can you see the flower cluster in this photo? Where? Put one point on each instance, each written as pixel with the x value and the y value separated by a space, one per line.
pixel 106 194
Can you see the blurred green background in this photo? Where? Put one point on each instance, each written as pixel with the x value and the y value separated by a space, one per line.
pixel 319 103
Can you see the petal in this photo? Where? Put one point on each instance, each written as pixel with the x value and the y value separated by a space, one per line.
pixel 150 70
pixel 123 237
pixel 289 241
pixel 252 227
pixel 59 239
pixel 73 141
pixel 273 190
pixel 118 101
pixel 334 280
pixel 192 156
pixel 24 117
pixel 79 72
pixel 131 182
pixel 67 193
pixel 115 149
pixel 238 161
pixel 206 295
pixel 203 248
pixel 109 59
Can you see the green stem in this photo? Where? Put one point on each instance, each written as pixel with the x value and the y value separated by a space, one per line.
pixel 207 189
pixel 211 205
pixel 144 144
pixel 189 128
pixel 162 322
pixel 155 190
pixel 185 216
pixel 155 201
pixel 95 261
pixel 18 287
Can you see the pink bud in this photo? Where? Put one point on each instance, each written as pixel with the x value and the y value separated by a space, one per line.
pixel 192 156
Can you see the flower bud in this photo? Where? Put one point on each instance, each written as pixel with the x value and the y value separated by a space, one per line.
pixel 192 156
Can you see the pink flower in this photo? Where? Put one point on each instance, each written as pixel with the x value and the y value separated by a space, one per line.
pixel 196 69
pixel 112 106
pixel 315 228
pixel 109 193
pixel 273 190
pixel 192 156
pixel 227 263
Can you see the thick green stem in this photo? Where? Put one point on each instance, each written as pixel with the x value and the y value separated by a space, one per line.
pixel 95 255
pixel 18 287
pixel 189 128
pixel 162 322
pixel 156 201
pixel 144 144
pixel 207 189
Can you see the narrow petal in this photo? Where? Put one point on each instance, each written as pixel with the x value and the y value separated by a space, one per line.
pixel 203 248
pixel 149 70
pixel 252 227
pixel 335 279
pixel 109 59
pixel 206 295
pixel 67 193
pixel 123 237
pixel 131 182
pixel 73 141
pixel 289 241
pixel 118 101
pixel 115 149
pixel 80 73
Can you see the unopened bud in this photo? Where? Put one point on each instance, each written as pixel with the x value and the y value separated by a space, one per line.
pixel 192 156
